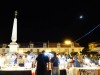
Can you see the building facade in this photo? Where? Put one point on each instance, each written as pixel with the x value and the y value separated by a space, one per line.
pixel 48 47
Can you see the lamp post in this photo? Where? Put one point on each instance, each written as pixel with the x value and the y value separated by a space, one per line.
pixel 68 42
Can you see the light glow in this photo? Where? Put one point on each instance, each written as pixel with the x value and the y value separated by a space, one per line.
pixel 20 51
pixel 67 42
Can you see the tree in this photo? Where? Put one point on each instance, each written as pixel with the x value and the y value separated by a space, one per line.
pixel 85 51
pixel 73 54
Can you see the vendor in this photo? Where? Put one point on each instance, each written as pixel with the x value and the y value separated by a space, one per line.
pixel 21 61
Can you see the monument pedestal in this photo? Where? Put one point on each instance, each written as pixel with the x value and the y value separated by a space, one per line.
pixel 13 47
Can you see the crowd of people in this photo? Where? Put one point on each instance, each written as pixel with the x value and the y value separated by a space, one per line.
pixel 44 62
pixel 15 59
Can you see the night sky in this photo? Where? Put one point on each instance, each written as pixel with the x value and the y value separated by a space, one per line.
pixel 50 21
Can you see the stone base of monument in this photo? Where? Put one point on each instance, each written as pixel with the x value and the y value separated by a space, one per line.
pixel 13 47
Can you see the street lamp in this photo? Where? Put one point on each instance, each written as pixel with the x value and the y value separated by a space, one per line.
pixel 68 42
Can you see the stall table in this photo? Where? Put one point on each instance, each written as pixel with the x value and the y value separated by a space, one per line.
pixel 84 71
pixel 26 72
pixel 15 72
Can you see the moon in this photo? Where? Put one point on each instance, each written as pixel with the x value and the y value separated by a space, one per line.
pixel 81 16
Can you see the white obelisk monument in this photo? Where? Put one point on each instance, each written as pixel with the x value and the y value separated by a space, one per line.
pixel 13 46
